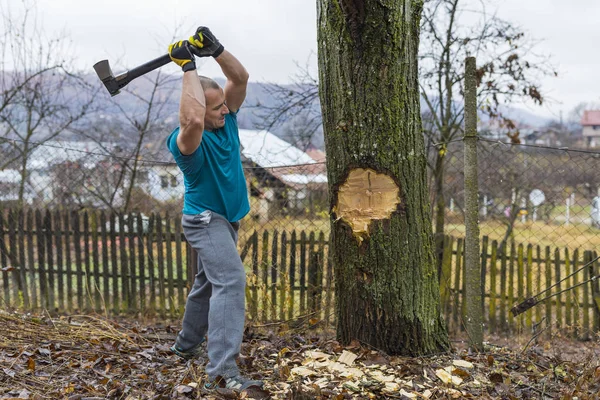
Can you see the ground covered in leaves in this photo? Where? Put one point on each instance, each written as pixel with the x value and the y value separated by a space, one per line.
pixel 84 357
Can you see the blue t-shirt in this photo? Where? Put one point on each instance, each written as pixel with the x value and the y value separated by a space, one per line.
pixel 213 175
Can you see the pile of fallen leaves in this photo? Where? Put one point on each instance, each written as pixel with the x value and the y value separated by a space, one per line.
pixel 83 357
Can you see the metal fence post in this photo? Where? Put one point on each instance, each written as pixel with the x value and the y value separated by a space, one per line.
pixel 473 282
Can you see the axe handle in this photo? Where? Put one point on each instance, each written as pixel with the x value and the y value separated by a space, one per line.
pixel 127 76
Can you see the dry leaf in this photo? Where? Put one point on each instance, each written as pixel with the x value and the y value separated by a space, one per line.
pixel 460 372
pixel 183 389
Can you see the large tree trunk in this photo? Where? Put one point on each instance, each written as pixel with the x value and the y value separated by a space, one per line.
pixel 387 289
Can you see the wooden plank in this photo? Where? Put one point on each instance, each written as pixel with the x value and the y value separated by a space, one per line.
pixel 60 272
pixel 557 288
pixel 255 268
pixel 594 271
pixel 283 284
pixel 329 311
pixel 576 296
pixel 114 265
pixel 142 264
pixel 180 276
pixel 68 261
pixel 264 273
pixel 529 284
pixel 41 253
pixel 458 273
pixel 132 281
pixel 96 263
pixel 49 260
pixel 22 261
pixel 169 266
pixel 463 291
pixel 312 274
pixel 123 263
pixel 89 288
pixel 274 266
pixel 151 266
pixel 568 295
pixel 445 277
pixel 503 283
pixel 483 270
pixel 31 261
pixel 586 297
pixel 4 259
pixel 303 244
pixel 538 289
pixel 292 274
pixel 320 267
pixel 13 253
pixel 78 259
pixel 520 283
pixel 493 288
pixel 511 282
pixel 105 263
pixel 160 266
pixel 548 275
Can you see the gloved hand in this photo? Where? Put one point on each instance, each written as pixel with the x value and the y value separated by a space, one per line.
pixel 205 44
pixel 182 55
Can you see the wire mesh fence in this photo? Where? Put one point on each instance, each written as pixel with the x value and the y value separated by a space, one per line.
pixel 542 195
pixel 538 220
pixel 539 213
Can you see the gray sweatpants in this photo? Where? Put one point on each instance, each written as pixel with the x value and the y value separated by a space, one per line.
pixel 216 302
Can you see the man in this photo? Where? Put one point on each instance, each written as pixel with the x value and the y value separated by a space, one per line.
pixel 206 148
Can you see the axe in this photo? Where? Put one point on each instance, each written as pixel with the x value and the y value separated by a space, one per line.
pixel 115 83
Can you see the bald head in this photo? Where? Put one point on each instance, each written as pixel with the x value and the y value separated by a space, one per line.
pixel 208 83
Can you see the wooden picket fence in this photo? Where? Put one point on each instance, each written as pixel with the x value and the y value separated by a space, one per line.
pixel 68 262
pixel 513 273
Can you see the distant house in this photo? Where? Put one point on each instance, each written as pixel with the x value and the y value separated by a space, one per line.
pixel 163 182
pixel 590 124
pixel 543 137
pixel 281 178
pixel 10 182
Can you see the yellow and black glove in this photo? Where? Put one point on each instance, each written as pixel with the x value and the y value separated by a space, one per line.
pixel 181 54
pixel 205 44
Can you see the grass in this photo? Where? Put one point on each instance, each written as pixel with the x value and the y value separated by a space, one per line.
pixel 571 236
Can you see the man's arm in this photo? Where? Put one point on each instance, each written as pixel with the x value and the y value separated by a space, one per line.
pixel 192 108
pixel 237 80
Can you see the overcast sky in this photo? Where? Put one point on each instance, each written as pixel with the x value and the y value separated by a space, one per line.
pixel 271 36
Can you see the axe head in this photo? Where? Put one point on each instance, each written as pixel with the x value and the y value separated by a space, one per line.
pixel 106 76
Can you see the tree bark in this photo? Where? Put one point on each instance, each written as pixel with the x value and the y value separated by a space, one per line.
pixel 387 290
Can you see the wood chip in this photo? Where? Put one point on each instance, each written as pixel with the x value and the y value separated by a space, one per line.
pixel 347 357
pixel 447 377
pixel 462 364
pixel 302 371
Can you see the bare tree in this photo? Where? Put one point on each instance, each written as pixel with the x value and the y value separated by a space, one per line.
pixel 136 129
pixel 508 70
pixel 40 96
pixel 295 106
